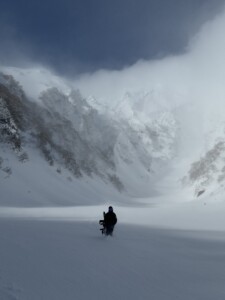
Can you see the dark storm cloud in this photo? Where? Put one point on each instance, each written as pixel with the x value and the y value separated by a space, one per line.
pixel 75 35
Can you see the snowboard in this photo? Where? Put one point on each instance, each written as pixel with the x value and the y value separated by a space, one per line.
pixel 102 223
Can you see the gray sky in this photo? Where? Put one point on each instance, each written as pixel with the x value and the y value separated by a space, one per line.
pixel 73 36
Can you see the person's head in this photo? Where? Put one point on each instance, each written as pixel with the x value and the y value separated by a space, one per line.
pixel 110 209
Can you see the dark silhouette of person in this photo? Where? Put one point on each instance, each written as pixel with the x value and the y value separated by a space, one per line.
pixel 110 220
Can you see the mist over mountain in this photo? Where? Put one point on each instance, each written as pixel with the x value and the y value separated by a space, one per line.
pixel 154 128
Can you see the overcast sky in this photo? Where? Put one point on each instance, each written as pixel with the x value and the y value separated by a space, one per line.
pixel 73 36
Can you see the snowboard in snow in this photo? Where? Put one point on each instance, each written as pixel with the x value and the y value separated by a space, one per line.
pixel 102 223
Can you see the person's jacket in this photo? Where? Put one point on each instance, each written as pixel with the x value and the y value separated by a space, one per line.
pixel 110 219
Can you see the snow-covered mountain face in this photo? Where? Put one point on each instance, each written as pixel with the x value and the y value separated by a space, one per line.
pixel 124 147
pixel 151 142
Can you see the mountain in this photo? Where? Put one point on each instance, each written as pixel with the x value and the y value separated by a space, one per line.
pixel 143 144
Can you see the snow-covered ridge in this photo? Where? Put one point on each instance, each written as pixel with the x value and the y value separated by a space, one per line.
pixel 36 80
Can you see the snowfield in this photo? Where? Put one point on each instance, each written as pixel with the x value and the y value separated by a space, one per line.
pixel 59 253
pixel 70 260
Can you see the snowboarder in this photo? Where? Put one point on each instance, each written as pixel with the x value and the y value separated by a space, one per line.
pixel 110 220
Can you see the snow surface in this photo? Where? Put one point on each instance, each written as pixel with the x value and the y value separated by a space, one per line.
pixel 163 247
pixel 52 259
